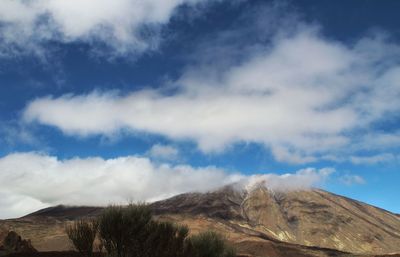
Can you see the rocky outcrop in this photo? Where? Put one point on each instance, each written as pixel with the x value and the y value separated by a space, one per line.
pixel 11 242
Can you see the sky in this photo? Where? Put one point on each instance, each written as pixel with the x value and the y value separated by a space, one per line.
pixel 107 102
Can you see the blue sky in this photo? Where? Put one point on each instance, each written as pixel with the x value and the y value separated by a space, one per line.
pixel 105 102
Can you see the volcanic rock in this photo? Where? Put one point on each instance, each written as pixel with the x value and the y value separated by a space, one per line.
pixel 11 242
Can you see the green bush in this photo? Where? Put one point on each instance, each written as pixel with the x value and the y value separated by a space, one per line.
pixel 208 244
pixel 82 234
pixel 123 231
pixel 166 239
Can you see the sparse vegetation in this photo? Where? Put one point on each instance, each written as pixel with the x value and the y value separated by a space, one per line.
pixel 82 234
pixel 131 232
pixel 209 244
pixel 166 239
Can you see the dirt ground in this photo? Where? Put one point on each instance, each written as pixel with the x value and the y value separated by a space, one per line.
pixel 61 254
pixel 51 254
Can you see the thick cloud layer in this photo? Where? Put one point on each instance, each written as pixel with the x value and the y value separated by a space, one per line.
pixel 30 181
pixel 123 25
pixel 303 96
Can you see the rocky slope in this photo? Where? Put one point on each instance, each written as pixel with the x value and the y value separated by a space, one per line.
pixel 258 221
pixel 308 217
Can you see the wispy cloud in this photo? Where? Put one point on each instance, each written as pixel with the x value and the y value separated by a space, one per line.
pixel 352 180
pixel 119 26
pixel 13 133
pixel 163 152
pixel 373 159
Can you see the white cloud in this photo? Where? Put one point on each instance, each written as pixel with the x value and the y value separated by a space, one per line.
pixel 29 181
pixel 303 97
pixel 283 154
pixel 163 152
pixel 352 179
pixel 302 179
pixel 122 25
pixel 13 205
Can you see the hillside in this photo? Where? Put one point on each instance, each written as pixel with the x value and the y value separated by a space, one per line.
pixel 258 221
pixel 308 217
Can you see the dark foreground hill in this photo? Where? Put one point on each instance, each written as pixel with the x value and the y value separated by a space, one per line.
pixel 259 222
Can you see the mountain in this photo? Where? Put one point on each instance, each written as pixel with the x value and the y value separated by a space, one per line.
pixel 308 217
pixel 259 221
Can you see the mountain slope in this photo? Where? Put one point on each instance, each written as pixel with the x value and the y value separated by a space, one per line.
pixel 308 217
pixel 259 222
pixel 65 212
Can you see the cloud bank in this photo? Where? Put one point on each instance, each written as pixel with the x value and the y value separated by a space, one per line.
pixel 302 96
pixel 123 26
pixel 30 181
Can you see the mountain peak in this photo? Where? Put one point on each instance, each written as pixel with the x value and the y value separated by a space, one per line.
pixel 310 217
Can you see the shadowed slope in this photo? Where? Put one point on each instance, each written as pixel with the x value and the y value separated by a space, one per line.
pixel 66 212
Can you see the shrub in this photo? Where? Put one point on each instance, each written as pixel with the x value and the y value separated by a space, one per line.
pixel 123 231
pixel 82 234
pixel 166 239
pixel 208 244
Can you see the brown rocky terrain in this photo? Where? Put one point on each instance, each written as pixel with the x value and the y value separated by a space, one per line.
pixel 258 221
pixel 309 217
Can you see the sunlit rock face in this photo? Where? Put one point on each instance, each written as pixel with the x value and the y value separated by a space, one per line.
pixel 311 217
